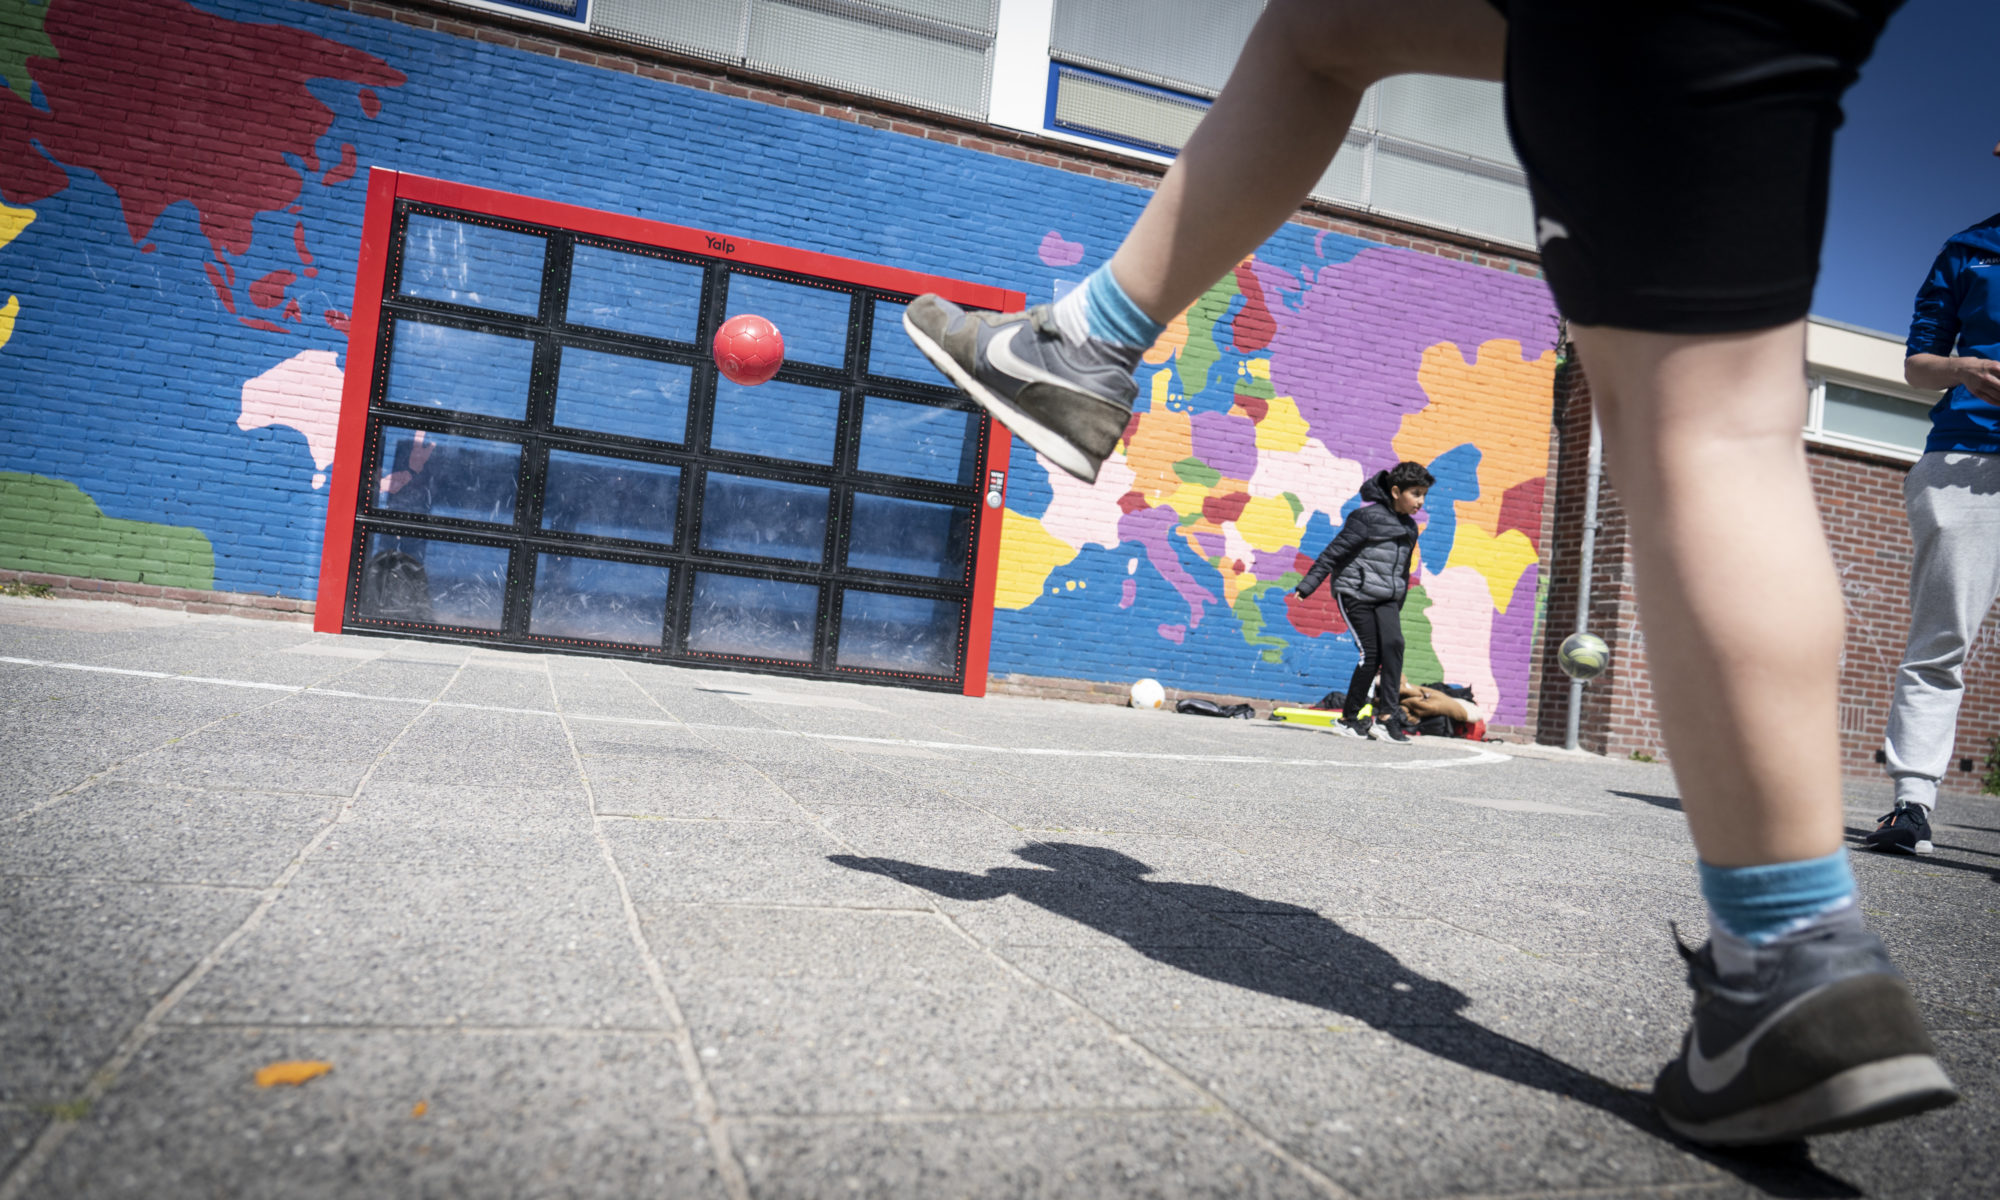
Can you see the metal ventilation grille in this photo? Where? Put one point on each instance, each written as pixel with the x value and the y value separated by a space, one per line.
pixel 934 54
pixel 1107 108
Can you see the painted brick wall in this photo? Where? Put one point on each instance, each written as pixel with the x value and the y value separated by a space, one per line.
pixel 184 186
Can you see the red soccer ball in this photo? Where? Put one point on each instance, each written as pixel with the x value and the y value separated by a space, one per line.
pixel 749 349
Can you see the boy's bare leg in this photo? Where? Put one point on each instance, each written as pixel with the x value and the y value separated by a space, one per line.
pixel 1736 586
pixel 1274 129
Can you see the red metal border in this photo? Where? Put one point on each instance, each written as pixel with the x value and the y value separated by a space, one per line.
pixel 363 331
pixel 986 560
pixel 510 206
pixel 386 187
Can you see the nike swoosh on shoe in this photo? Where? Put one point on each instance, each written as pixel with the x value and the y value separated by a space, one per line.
pixel 1714 1074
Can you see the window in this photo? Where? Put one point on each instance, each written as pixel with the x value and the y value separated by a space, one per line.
pixel 1861 418
pixel 1141 73
pixel 934 54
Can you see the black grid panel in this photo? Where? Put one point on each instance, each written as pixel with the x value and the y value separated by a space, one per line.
pixel 489 422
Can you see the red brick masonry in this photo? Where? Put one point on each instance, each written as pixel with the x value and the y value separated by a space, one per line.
pixel 194 600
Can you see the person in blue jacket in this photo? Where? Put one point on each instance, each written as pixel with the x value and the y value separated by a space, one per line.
pixel 1953 499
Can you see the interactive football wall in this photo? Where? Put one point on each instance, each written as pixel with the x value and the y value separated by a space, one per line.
pixel 542 452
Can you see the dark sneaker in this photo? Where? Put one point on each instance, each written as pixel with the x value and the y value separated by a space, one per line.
pixel 1393 731
pixel 1906 830
pixel 1357 727
pixel 1816 1033
pixel 1070 402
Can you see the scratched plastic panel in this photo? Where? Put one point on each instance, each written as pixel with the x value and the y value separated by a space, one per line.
pixel 430 581
pixel 611 497
pixel 919 441
pixel 812 320
pixel 758 618
pixel 634 293
pixel 598 600
pixel 765 517
pixel 884 632
pixel 459 262
pixel 620 394
pixel 460 370
pixel 909 537
pixel 891 353
pixel 776 420
pixel 444 475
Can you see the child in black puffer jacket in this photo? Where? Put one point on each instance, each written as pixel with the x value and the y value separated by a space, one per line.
pixel 1369 560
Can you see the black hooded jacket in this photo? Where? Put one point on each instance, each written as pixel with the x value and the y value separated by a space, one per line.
pixel 1369 558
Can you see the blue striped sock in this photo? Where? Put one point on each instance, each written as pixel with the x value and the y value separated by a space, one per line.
pixel 1101 309
pixel 1760 904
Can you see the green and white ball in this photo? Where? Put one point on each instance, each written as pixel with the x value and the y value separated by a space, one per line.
pixel 1583 656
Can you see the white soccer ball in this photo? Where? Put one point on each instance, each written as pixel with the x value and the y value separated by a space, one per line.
pixel 1147 693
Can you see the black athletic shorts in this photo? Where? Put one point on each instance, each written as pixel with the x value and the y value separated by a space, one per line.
pixel 1677 151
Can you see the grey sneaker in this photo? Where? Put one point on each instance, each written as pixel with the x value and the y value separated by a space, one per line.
pixel 1356 728
pixel 1815 1033
pixel 1070 402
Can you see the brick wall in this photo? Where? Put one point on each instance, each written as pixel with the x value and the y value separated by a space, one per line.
pixel 1861 504
pixel 184 288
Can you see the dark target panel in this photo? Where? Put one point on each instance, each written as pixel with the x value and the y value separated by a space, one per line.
pixel 537 450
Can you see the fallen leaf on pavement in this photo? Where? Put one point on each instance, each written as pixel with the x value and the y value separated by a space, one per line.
pixel 293 1073
pixel 423 1106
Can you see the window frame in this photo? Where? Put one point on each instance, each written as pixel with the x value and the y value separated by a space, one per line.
pixel 1815 429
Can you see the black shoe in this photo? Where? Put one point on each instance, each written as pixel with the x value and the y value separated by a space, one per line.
pixel 1393 730
pixel 1815 1033
pixel 1070 402
pixel 1906 830
pixel 1353 727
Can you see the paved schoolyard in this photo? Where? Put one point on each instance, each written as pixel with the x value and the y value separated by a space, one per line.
pixel 567 926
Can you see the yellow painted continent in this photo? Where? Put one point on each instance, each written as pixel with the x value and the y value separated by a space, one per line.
pixel 1028 554
pixel 12 222
pixel 1495 392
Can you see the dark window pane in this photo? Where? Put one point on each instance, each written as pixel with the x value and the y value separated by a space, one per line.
pixel 599 600
pixel 444 475
pixel 759 618
pixel 460 370
pixel 430 581
pixel 634 293
pixel 611 497
pixel 812 320
pixel 909 537
pixel 892 354
pixel 918 441
pixel 620 394
pixel 742 515
pixel 776 420
pixel 462 263
pixel 882 632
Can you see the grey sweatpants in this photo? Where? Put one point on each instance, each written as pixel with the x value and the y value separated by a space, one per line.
pixel 1954 505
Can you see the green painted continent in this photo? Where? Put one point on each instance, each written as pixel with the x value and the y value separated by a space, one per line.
pixel 22 38
pixel 51 525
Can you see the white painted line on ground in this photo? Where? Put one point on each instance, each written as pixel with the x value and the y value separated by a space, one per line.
pixel 1525 806
pixel 1471 754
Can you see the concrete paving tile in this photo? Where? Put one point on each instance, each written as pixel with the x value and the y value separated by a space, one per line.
pixel 503 948
pixel 933 1026
pixel 58 744
pixel 393 804
pixel 82 961
pixel 510 685
pixel 546 850
pixel 299 743
pixel 460 746
pixel 846 782
pixel 506 1115
pixel 1170 1156
pixel 588 686
pixel 724 792
pixel 399 677
pixel 121 829
pixel 1436 1112
pixel 19 1127
pixel 739 862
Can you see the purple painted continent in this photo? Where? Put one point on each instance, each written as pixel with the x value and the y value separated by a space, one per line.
pixel 1151 528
